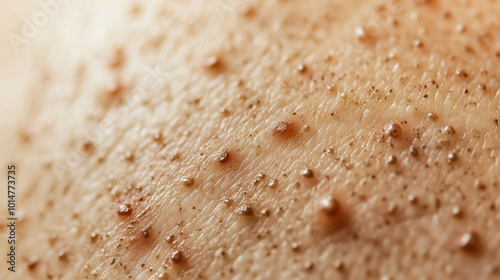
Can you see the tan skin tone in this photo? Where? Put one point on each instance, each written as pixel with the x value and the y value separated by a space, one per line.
pixel 275 140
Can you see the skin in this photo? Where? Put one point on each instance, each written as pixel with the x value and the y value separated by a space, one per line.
pixel 172 119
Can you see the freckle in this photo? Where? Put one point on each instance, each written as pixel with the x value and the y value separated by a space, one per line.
pixel 129 156
pixel 339 265
pixel 432 116
pixel 308 173
pixel 480 186
pixel 308 266
pixel 93 236
pixel 145 232
pixel 393 130
pixel 413 151
pixel 212 62
pixel 124 209
pixel 227 201
pixel 157 136
pixel 245 210
pixel 412 199
pixel 177 257
pixel 187 181
pixel 281 128
pixel 329 205
pixel 456 211
pixel 88 146
pixel 259 178
pixel 469 241
pixel 392 159
pixel 62 254
pixel 461 73
pixel 417 43
pixel 448 130
pixel 223 156
pixel 170 238
pixel 32 262
pixel 452 157
pixel 272 183
pixel 301 68
pixel 482 86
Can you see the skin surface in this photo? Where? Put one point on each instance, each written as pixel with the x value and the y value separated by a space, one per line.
pixel 184 140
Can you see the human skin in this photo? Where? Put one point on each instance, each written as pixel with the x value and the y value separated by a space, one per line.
pixel 186 140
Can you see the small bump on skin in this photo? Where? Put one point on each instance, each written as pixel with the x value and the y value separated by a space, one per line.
pixel 187 181
pixel 456 211
pixel 227 201
pixel 469 241
pixel 329 205
pixel 93 236
pixel 432 116
pixel 124 209
pixel 392 159
pixel 170 238
pixel 129 156
pixel 448 130
pixel 413 151
pixel 259 178
pixel 145 232
pixel 245 210
pixel 212 62
pixel 307 173
pixel 452 157
pixel 393 130
pixel 272 183
pixel 391 208
pixel 305 128
pixel 301 68
pixel 32 262
pixel 461 73
pixel 177 257
pixel 480 186
pixel 265 212
pixel 62 254
pixel 308 266
pixel 412 199
pixel 295 247
pixel 223 156
pixel 282 128
pixel 339 265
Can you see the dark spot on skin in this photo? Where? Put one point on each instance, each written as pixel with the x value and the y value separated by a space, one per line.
pixel 452 157
pixel 308 173
pixel 145 232
pixel 469 242
pixel 124 209
pixel 177 257
pixel 330 206
pixel 245 210
pixel 223 156
pixel 392 159
pixel 88 146
pixel 393 130
pixel 301 68
pixel 32 262
pixel 282 128
pixel 413 151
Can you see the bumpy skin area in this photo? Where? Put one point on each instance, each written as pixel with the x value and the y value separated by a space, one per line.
pixel 200 139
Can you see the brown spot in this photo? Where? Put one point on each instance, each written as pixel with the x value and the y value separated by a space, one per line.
pixel 177 257
pixel 393 130
pixel 282 128
pixel 32 262
pixel 469 242
pixel 308 173
pixel 124 209
pixel 330 205
pixel 245 210
pixel 145 232
pixel 88 146
pixel 223 156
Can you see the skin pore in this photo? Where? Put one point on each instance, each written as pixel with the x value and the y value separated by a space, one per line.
pixel 256 140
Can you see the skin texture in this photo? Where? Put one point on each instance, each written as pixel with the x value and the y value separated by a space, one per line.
pixel 217 131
